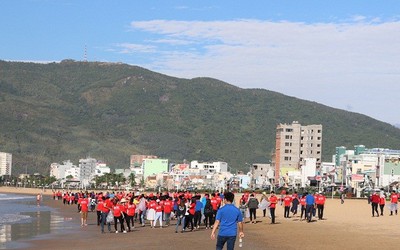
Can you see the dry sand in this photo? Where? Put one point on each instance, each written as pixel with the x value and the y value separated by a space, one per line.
pixel 347 226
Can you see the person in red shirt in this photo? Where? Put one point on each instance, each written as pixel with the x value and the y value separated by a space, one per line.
pixel 159 210
pixel 394 198
pixel 167 210
pixel 151 212
pixel 130 213
pixel 104 206
pixel 191 205
pixel 382 201
pixel 303 207
pixel 272 200
pixel 374 204
pixel 320 201
pixel 214 204
pixel 84 206
pixel 117 209
pixel 287 200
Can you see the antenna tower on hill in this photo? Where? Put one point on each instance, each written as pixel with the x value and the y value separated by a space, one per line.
pixel 85 55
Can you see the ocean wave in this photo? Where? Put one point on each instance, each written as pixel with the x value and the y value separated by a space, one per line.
pixel 14 218
pixel 5 197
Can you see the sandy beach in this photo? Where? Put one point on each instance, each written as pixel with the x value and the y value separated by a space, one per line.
pixel 346 226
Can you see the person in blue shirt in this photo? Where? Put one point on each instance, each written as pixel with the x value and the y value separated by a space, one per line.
pixel 229 219
pixel 310 204
pixel 197 212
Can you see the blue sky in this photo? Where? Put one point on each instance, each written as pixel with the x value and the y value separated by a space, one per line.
pixel 341 53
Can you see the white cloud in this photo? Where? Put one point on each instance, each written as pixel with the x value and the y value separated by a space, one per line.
pixel 338 64
pixel 129 48
pixel 172 41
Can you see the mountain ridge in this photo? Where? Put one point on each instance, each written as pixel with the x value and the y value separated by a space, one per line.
pixel 69 110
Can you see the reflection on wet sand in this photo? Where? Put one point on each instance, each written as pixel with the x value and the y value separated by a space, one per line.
pixel 42 223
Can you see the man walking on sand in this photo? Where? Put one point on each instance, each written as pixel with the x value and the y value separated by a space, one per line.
pixel 229 219
pixel 310 205
pixel 394 197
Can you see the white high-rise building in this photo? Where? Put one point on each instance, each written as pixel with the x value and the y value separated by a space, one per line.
pixel 87 170
pixel 5 163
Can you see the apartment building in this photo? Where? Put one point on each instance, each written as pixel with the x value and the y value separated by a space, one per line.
pixel 5 163
pixel 294 143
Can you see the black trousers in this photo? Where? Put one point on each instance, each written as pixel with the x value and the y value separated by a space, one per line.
pixel 197 218
pixel 303 211
pixel 121 221
pixel 287 211
pixel 320 208
pixel 381 206
pixel 272 211
pixel 374 207
pixel 252 212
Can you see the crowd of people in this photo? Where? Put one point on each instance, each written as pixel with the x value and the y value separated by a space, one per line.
pixel 123 209
pixel 379 200
pixel 310 204
pixel 190 211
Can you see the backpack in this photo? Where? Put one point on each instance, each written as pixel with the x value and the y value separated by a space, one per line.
pixel 208 209
pixel 253 203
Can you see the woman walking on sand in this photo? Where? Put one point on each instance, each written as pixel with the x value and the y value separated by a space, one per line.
pixel 118 215
pixel 264 203
pixel 180 215
pixel 252 204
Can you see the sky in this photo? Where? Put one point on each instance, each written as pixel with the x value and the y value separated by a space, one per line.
pixel 341 53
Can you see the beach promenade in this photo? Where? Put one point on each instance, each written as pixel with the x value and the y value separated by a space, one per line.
pixel 347 226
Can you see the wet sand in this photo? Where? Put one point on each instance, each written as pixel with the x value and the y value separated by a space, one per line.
pixel 347 226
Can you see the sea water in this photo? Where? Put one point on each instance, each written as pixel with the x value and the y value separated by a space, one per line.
pixel 21 219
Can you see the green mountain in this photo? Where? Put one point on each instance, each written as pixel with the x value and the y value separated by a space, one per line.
pixel 70 110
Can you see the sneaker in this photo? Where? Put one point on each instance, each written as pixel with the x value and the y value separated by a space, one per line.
pixel 124 231
pixel 116 232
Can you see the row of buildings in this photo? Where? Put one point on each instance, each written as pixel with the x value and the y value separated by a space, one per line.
pixel 295 163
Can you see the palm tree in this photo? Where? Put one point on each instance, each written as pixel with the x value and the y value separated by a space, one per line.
pixel 132 179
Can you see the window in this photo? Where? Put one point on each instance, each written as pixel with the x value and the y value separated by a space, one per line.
pixel 289 130
pixel 319 131
pixel 288 137
pixel 318 145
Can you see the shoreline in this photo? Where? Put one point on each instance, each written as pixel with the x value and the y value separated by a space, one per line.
pixel 345 226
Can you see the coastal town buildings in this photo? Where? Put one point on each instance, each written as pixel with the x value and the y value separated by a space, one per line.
pixel 262 175
pixel 5 164
pixel 364 168
pixel 59 171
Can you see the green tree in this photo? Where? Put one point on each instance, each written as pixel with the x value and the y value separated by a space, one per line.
pixel 132 180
